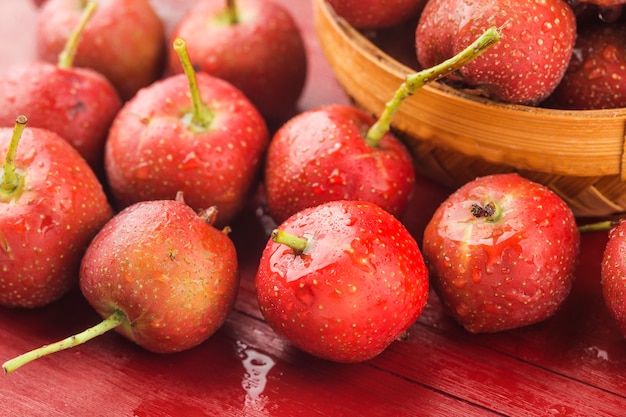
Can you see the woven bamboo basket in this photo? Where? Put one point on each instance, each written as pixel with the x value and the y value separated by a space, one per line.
pixel 455 137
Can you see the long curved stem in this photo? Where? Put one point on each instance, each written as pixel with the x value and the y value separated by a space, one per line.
pixel 415 81
pixel 201 116
pixel 107 324
pixel 66 57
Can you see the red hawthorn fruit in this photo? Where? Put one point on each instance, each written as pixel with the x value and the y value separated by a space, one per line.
pixel 377 14
pixel 356 283
pixel 501 251
pixel 524 67
pixel 613 274
pixel 323 154
pixel 596 73
pixel 47 219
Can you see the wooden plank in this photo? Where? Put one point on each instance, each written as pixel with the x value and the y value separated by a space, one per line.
pixel 572 364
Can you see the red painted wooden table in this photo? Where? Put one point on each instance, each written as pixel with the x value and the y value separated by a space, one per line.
pixel 573 364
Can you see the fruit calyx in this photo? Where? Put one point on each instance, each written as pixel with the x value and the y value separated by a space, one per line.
pixel 12 181
pixel 299 245
pixel 67 55
pixel 208 215
pixel 490 212
pixel 200 118
pixel 415 81
pixel 114 320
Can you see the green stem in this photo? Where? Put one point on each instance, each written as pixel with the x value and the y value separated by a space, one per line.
pixel 231 12
pixel 298 244
pixel 600 226
pixel 67 55
pixel 109 323
pixel 201 116
pixel 11 179
pixel 415 81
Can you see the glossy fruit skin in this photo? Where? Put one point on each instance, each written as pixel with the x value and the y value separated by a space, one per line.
pixel 79 104
pixel 151 153
pixel 321 155
pixel 174 275
pixel 45 229
pixel 594 78
pixel 524 67
pixel 123 40
pixel 613 274
pixel 263 54
pixel 507 272
pixel 377 14
pixel 359 286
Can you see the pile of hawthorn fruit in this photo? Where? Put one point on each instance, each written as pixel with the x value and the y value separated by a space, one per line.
pixel 130 150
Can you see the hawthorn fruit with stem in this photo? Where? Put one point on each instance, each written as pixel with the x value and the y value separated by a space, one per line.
pixel 190 132
pixel 51 203
pixel 340 152
pixel 160 274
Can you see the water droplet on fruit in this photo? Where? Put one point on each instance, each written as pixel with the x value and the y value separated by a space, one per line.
pixel 305 295
pixel 66 204
pixel 611 54
pixel 191 162
pixel 317 188
pixel 142 171
pixel 128 277
pixel 28 155
pixel 462 310
pixel 493 259
pixel 45 224
pixel 365 264
pixel 157 322
pixel 361 255
pixel 336 146
pixel 218 287
pixel 476 275
pixel 5 247
pixel 21 225
pixel 234 107
pixel 459 282
pixel 526 36
pixel 593 71
pixel 337 177
pixel 518 54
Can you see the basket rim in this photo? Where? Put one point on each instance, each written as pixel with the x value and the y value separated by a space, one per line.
pixel 592 142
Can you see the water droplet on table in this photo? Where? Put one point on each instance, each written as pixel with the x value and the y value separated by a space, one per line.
pixel 257 366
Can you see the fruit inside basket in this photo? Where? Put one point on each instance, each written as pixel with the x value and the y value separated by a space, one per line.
pixel 456 136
